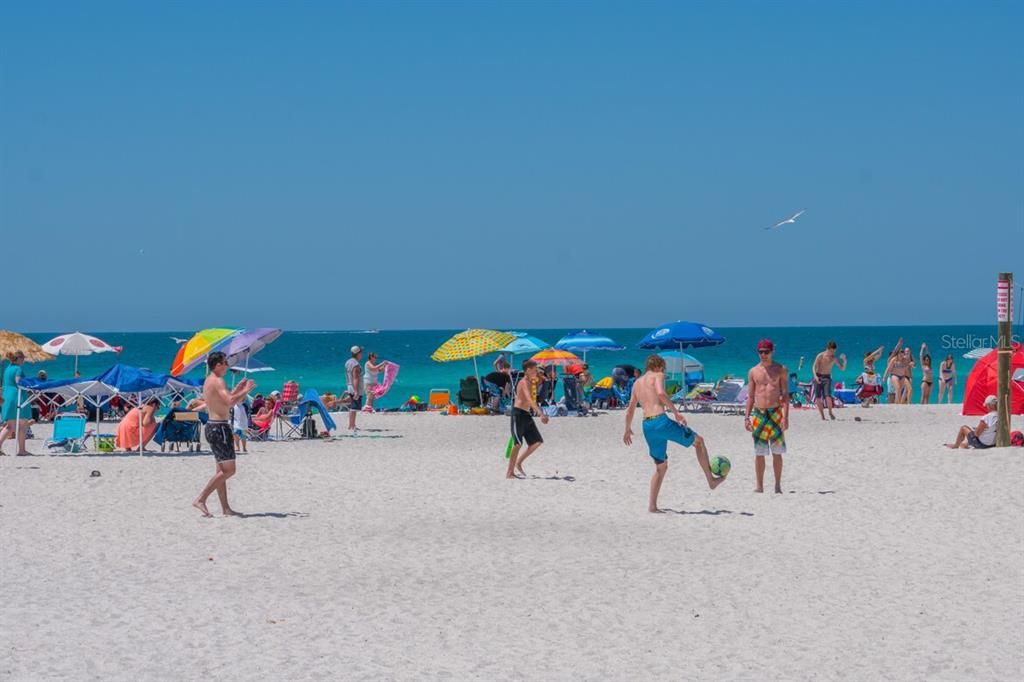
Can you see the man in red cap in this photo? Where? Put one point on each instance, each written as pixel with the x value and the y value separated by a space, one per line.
pixel 767 415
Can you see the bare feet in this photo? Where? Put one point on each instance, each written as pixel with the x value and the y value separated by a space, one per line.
pixel 231 512
pixel 715 482
pixel 758 490
pixel 520 471
pixel 25 454
pixel 655 510
pixel 778 488
pixel 201 506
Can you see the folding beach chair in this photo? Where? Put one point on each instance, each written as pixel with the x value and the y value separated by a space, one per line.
pixel 69 434
pixel 729 399
pixel 469 392
pixel 493 397
pixel 697 399
pixel 573 399
pixel 440 399
pixel 257 432
pixel 180 428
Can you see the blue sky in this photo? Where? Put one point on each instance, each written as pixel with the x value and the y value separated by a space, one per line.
pixel 410 165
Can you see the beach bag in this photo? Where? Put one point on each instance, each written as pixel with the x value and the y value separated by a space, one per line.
pixel 308 427
pixel 1017 439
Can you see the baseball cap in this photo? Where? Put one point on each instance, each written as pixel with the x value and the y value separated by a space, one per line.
pixel 356 349
pixel 765 344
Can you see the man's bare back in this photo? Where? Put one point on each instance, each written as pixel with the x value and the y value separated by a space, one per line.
pixel 647 389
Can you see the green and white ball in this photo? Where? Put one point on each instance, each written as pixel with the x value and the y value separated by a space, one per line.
pixel 720 466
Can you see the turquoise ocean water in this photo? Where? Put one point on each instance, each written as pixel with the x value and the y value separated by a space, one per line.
pixel 315 358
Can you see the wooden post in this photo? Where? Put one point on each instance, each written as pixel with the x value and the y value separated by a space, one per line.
pixel 1004 315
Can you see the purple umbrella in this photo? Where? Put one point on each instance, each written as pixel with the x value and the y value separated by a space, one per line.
pixel 247 343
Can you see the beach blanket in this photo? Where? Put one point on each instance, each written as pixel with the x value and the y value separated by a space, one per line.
pixel 390 374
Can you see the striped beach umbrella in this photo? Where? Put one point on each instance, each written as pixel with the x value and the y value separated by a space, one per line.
pixel 470 344
pixel 584 341
pixel 554 356
pixel 205 341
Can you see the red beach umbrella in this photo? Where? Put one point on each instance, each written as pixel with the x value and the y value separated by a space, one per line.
pixel 983 381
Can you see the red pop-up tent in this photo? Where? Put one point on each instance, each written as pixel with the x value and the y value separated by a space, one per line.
pixel 983 381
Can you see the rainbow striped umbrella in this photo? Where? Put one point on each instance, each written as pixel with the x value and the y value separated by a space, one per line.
pixel 194 351
pixel 554 356
pixel 470 344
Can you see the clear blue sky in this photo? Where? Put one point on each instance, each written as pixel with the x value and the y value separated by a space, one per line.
pixel 412 165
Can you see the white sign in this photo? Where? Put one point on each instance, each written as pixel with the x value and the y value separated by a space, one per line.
pixel 1004 306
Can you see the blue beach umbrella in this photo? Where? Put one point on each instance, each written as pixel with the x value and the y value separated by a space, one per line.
pixel 687 366
pixel 524 343
pixel 681 334
pixel 584 341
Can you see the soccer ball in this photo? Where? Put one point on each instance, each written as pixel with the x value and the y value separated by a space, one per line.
pixel 720 466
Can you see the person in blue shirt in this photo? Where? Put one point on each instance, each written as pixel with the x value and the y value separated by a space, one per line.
pixel 16 418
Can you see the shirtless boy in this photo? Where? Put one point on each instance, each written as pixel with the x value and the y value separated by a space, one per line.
pixel 821 385
pixel 219 402
pixel 649 393
pixel 767 415
pixel 524 429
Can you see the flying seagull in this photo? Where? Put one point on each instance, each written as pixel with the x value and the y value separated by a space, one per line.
pixel 178 341
pixel 787 221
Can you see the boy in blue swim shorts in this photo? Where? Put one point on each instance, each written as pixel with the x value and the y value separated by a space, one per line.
pixel 660 429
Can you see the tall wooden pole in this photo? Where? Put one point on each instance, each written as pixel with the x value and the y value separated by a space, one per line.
pixel 1004 314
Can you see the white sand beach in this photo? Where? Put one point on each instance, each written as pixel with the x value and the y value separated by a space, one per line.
pixel 408 556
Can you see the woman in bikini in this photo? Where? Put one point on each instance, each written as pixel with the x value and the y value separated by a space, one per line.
pixel 899 370
pixel 947 378
pixel 926 374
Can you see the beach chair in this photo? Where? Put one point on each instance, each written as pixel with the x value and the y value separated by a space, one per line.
pixel 289 423
pixel 697 399
pixel 440 399
pixel 469 392
pixel 623 394
pixel 179 427
pixel 573 399
pixel 69 434
pixel 495 401
pixel 730 399
pixel 262 432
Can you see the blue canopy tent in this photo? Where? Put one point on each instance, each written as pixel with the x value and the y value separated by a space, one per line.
pixel 136 384
pixel 584 341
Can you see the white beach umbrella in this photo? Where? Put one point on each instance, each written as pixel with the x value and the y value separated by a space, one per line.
pixel 76 344
pixel 977 353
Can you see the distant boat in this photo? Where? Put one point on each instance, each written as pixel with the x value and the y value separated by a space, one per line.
pixel 368 331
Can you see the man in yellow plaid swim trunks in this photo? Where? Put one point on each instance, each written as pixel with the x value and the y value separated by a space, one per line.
pixel 767 415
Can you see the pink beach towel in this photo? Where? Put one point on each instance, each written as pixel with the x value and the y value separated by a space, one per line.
pixel 390 374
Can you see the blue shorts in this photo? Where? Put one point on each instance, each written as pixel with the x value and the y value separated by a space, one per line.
pixel 660 430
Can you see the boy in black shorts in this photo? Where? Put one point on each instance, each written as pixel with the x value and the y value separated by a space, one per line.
pixel 523 426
